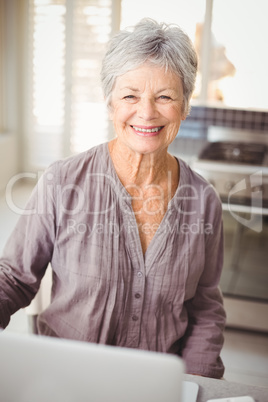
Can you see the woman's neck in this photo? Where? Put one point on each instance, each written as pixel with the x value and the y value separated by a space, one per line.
pixel 138 169
pixel 151 180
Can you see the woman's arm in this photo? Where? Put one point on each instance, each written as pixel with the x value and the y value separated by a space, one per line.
pixel 203 340
pixel 27 252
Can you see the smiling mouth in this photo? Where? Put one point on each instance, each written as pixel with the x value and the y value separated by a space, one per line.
pixel 153 130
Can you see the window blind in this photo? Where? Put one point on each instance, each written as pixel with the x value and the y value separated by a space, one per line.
pixel 66 111
pixel 92 24
pixel 46 81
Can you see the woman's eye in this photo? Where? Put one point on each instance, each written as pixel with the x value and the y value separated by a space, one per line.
pixel 129 97
pixel 164 97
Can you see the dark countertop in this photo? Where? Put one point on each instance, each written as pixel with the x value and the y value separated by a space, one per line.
pixel 210 388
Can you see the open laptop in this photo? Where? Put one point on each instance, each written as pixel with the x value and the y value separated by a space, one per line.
pixel 41 369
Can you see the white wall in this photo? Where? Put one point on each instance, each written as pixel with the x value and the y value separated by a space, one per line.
pixel 11 139
pixel 8 158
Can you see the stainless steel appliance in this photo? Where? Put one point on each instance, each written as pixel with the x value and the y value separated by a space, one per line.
pixel 235 162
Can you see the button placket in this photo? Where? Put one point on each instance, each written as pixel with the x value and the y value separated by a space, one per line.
pixel 138 287
pixel 138 281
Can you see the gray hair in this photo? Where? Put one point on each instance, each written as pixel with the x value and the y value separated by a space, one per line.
pixel 165 45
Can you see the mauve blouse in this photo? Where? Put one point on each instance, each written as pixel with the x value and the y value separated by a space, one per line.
pixel 80 219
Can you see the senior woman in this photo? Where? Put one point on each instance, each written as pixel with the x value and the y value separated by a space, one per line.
pixel 133 235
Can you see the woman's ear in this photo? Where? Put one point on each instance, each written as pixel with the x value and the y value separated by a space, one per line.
pixel 184 112
pixel 110 109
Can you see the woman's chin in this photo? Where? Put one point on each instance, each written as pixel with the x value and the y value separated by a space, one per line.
pixel 147 147
pixel 143 144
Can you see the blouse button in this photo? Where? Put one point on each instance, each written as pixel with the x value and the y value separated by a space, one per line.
pixel 137 295
pixel 140 274
pixel 135 318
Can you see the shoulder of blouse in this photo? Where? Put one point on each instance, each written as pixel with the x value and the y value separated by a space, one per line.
pixel 202 192
pixel 75 166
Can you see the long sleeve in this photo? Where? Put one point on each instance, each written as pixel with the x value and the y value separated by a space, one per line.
pixel 28 251
pixel 203 339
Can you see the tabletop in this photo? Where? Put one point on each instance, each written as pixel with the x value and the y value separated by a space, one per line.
pixel 210 388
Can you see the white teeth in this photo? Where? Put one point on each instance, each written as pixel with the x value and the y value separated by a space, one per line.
pixel 144 130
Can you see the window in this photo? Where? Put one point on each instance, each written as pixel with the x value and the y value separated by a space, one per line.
pixel 239 57
pixel 92 26
pixel 66 110
pixel 47 81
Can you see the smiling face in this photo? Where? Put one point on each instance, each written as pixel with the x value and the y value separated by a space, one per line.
pixel 146 108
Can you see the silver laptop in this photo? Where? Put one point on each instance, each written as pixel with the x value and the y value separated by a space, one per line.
pixel 41 369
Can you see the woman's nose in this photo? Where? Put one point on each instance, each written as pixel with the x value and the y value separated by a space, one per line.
pixel 147 109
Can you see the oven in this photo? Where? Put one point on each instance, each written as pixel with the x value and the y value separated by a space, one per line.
pixel 235 162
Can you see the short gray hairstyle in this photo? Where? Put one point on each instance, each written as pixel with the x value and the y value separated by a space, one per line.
pixel 165 45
